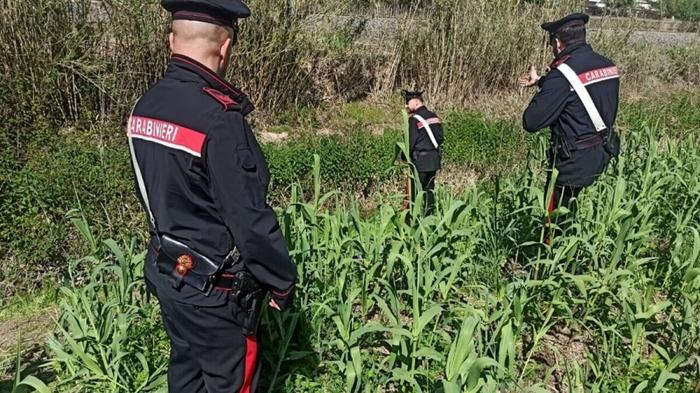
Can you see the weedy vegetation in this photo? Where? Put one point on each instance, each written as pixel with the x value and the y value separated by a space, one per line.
pixel 468 300
pixel 73 69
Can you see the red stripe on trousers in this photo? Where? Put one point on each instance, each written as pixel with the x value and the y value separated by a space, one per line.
pixel 551 203
pixel 550 210
pixel 251 360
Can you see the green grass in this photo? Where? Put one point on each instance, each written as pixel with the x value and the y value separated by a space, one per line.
pixel 467 300
pixel 75 171
pixel 674 115
pixel 25 304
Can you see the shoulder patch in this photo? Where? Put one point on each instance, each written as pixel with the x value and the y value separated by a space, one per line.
pixel 431 121
pixel 227 102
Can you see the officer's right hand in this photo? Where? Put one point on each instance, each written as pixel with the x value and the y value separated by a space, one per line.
pixel 281 301
pixel 530 79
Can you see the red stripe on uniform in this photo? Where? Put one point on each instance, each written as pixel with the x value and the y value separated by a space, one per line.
pixel 431 121
pixel 552 203
pixel 550 210
pixel 251 361
pixel 167 134
pixel 599 75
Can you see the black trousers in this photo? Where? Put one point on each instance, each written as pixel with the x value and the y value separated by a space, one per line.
pixel 208 351
pixel 562 196
pixel 427 181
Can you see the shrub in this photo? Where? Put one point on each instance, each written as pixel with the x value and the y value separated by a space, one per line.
pixel 63 174
pixel 683 9
pixel 73 170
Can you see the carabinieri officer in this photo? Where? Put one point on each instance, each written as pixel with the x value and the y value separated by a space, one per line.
pixel 578 100
pixel 217 248
pixel 425 139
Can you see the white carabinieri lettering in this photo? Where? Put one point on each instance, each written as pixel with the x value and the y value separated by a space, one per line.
pixel 599 75
pixel 167 134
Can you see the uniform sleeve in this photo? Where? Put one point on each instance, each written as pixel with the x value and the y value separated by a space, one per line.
pixel 240 197
pixel 548 104
pixel 412 134
pixel 440 134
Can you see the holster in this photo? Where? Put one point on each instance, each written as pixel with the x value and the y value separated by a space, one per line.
pixel 611 143
pixel 249 297
pixel 427 160
pixel 562 148
pixel 565 148
pixel 185 265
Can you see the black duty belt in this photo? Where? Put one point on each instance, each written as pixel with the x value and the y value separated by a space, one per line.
pixel 234 282
pixel 421 153
pixel 589 142
pixel 233 279
pixel 565 147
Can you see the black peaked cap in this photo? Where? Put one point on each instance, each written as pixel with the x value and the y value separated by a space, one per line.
pixel 218 12
pixel 570 20
pixel 409 95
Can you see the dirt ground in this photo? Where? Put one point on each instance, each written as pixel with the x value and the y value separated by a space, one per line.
pixel 27 333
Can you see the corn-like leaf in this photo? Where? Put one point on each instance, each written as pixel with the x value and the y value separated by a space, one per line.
pixel 477 368
pixel 426 318
pixel 34 383
pixel 428 353
pixel 641 387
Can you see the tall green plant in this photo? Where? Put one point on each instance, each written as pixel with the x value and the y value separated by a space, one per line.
pixel 468 299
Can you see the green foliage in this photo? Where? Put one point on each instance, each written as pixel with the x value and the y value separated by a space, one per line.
pixel 676 117
pixel 29 383
pixel 353 161
pixel 683 9
pixel 467 300
pixel 28 303
pixel 63 173
pixel 74 170
pixel 489 147
pixel 109 337
pixel 359 160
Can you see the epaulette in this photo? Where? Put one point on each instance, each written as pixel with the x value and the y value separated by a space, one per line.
pixel 559 62
pixel 226 101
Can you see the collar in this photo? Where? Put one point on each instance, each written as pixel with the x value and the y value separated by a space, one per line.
pixel 566 54
pixel 571 49
pixel 214 81
pixel 422 107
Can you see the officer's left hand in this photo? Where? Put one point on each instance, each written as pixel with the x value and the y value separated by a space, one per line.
pixel 281 301
pixel 530 79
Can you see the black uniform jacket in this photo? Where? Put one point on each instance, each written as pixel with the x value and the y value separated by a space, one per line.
pixel 206 176
pixel 425 156
pixel 558 107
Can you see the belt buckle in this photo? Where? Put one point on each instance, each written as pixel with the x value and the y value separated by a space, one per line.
pixel 234 256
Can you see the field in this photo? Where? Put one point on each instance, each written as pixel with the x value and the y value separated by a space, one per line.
pixel 467 300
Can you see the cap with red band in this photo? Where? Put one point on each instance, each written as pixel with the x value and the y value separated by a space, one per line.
pixel 218 12
pixel 578 19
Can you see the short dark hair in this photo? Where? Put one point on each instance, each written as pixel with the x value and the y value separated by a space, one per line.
pixel 572 34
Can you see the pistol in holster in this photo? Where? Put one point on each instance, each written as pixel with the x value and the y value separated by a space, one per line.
pixel 562 148
pixel 248 297
pixel 611 142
